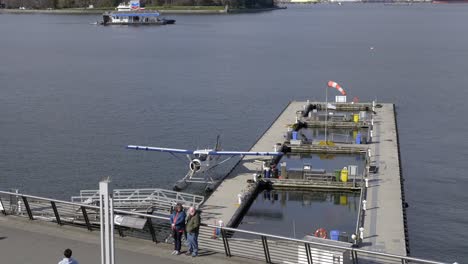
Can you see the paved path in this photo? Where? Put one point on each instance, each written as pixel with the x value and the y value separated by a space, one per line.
pixel 24 241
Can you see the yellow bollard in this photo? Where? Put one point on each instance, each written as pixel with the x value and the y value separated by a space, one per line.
pixel 356 118
pixel 344 174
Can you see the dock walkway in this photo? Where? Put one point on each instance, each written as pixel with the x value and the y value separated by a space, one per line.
pixel 223 203
pixel 384 220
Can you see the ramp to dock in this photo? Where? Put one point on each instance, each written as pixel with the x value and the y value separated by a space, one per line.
pixel 223 203
pixel 155 200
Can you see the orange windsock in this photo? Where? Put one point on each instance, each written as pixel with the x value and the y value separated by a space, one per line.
pixel 333 84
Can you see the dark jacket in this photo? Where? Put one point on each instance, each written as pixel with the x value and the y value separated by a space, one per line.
pixel 179 221
pixel 193 223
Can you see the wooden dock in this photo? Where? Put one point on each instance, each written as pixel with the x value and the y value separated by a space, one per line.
pixel 384 219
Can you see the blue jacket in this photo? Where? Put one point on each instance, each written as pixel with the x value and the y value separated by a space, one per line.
pixel 68 261
pixel 180 221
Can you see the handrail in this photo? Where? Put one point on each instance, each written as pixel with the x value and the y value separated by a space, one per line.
pixel 328 245
pixel 358 221
pixel 50 200
pixel 374 253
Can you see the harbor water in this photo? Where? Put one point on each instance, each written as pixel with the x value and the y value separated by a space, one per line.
pixel 73 95
pixel 297 213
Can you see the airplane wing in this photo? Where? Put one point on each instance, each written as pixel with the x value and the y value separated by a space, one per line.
pixel 170 150
pixel 241 153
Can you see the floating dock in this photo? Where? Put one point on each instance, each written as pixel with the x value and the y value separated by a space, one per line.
pixel 385 227
pixel 383 219
pixel 223 203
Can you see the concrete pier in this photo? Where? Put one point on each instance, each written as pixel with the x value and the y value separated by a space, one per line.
pixel 223 203
pixel 384 228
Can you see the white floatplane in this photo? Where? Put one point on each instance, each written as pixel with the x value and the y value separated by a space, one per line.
pixel 202 161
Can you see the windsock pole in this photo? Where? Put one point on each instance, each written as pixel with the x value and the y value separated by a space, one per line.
pixel 331 84
pixel 326 115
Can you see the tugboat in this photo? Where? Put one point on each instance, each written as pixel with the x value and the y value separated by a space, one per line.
pixel 133 14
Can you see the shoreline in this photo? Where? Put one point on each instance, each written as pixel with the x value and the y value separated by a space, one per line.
pixel 86 11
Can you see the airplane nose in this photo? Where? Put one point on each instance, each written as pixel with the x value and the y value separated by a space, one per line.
pixel 195 165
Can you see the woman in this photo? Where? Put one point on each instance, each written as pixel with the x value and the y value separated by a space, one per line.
pixel 178 227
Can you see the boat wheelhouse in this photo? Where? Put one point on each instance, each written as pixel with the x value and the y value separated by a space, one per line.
pixel 132 5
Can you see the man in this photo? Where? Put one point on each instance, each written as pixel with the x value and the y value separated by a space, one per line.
pixel 178 226
pixel 68 259
pixel 192 228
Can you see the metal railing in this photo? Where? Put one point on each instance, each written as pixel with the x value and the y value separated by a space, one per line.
pixel 230 241
pixel 146 200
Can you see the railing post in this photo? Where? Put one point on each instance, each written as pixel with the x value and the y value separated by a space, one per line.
pixel 85 216
pixel 227 249
pixel 119 229
pixel 151 229
pixel 308 253
pixel 57 216
pixel 355 258
pixel 266 250
pixel 2 208
pixel 28 209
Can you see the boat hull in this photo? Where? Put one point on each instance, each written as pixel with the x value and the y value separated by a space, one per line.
pixel 155 23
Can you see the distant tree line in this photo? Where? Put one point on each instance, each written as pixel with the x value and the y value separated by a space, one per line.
pixel 57 4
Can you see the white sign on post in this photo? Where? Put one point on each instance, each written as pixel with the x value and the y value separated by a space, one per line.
pixel 352 170
pixel 340 98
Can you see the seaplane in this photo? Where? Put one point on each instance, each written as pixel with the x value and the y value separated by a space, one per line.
pixel 201 161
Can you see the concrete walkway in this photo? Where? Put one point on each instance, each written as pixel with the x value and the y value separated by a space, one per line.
pixel 24 241
pixel 223 203
pixel 383 221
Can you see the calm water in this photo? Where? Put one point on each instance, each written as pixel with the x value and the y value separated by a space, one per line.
pixel 72 95
pixel 297 214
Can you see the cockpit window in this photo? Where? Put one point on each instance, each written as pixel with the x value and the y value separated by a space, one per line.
pixel 201 157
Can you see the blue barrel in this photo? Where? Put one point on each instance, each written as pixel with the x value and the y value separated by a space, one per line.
pixel 335 235
pixel 358 138
pixel 294 135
